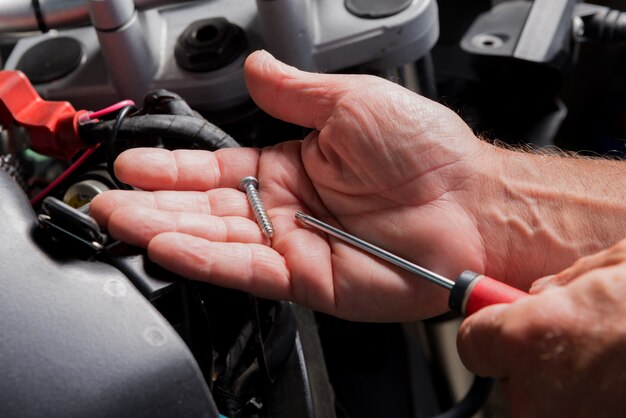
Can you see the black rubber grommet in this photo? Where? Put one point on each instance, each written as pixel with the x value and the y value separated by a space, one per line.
pixel 51 59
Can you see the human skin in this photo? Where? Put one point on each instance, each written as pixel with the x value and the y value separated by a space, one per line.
pixel 561 352
pixel 395 169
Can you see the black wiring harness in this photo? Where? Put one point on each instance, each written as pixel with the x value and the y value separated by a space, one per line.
pixel 166 118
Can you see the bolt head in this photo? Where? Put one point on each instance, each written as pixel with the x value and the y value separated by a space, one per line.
pixel 248 180
pixel 209 44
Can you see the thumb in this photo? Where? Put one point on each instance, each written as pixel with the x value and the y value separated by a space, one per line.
pixel 306 99
pixel 479 342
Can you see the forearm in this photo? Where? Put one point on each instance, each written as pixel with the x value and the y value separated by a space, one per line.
pixel 542 212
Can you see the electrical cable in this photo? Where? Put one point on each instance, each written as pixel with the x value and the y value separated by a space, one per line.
pixel 176 131
pixel 165 102
pixel 473 400
pixel 165 117
pixel 109 110
pixel 126 106
pixel 64 175
pixel 111 154
pixel 41 22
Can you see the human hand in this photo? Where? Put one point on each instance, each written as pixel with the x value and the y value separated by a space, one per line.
pixel 383 163
pixel 560 353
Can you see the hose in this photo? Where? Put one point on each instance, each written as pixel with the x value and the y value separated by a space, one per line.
pixel 165 102
pixel 605 25
pixel 473 400
pixel 176 131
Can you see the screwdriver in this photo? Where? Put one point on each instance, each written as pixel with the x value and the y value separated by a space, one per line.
pixel 469 293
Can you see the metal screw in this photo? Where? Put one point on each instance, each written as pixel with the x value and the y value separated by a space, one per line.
pixel 249 185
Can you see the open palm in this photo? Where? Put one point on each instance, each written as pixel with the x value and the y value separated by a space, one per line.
pixel 383 163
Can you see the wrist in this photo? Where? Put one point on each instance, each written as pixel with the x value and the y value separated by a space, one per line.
pixel 539 213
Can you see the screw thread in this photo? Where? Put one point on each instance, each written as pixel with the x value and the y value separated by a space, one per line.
pixel 260 213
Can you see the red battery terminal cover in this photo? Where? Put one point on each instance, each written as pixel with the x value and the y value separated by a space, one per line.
pixel 51 125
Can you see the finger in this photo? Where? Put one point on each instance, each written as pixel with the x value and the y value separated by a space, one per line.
pixel 295 96
pixel 137 226
pixel 218 202
pixel 542 284
pixel 159 169
pixel 609 257
pixel 250 267
pixel 479 342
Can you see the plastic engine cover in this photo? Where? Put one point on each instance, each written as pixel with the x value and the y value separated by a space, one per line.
pixel 78 340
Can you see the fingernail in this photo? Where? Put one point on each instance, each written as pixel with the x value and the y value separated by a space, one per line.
pixel 264 57
pixel 267 59
pixel 541 284
pixel 266 52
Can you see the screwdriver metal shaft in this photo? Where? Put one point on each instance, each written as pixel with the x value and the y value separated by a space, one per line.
pixel 374 250
pixel 468 294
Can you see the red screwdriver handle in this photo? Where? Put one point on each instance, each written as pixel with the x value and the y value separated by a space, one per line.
pixel 473 291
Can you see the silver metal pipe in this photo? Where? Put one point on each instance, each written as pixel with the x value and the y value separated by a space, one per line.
pixel 287 31
pixel 125 44
pixel 20 16
pixel 377 251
